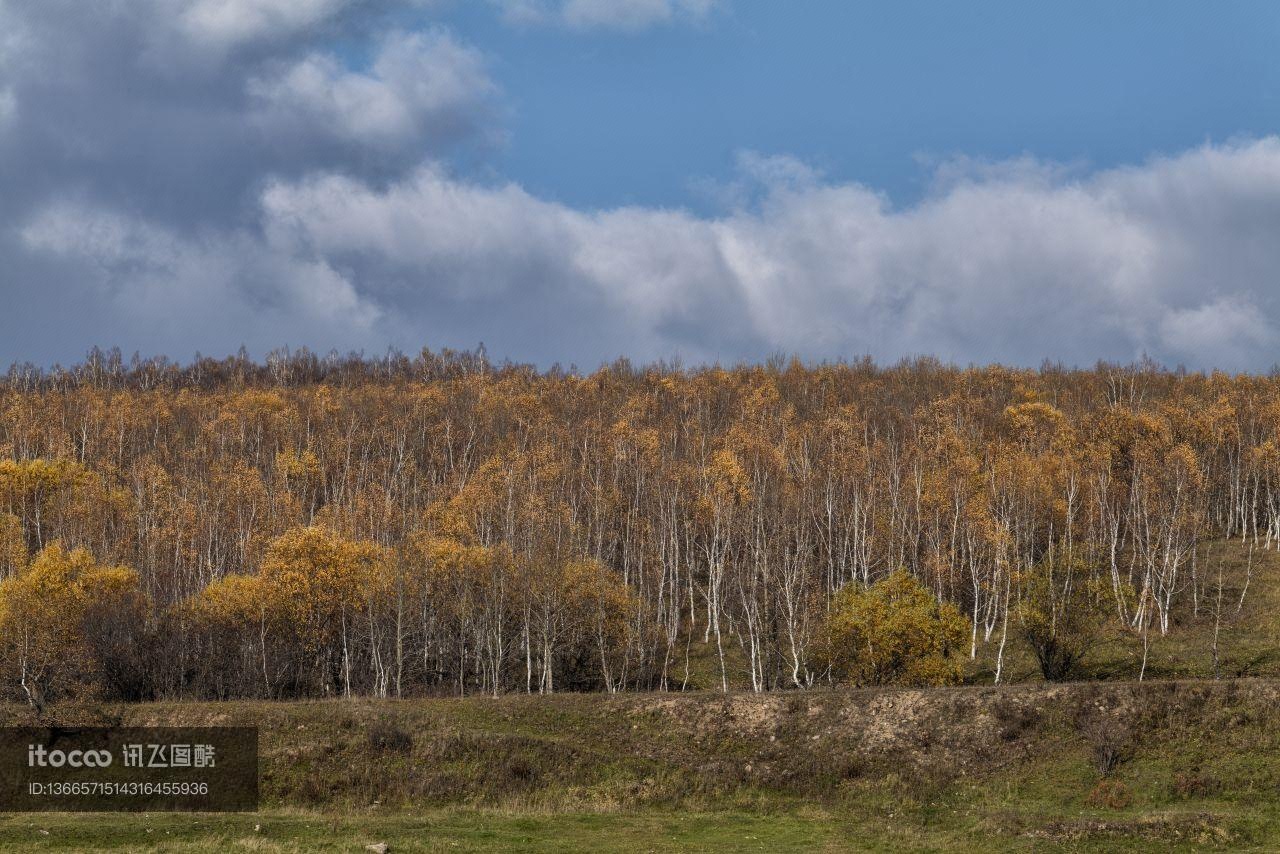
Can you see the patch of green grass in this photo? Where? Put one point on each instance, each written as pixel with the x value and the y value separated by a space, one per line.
pixel 1201 770
pixel 975 820
pixel 1035 800
pixel 440 831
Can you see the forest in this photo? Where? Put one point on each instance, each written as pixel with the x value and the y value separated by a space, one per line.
pixel 443 524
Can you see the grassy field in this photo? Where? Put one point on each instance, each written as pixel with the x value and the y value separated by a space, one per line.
pixel 1196 764
pixel 1183 763
pixel 436 831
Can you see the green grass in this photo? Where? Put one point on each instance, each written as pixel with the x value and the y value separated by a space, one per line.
pixel 989 769
pixel 974 818
pixel 1013 768
pixel 437 831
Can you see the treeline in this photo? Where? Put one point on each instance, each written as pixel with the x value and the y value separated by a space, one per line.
pixel 442 524
pixel 109 370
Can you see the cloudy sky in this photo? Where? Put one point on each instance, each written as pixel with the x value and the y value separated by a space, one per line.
pixel 573 180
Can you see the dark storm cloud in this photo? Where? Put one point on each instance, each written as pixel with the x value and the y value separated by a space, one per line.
pixel 136 137
pixel 177 108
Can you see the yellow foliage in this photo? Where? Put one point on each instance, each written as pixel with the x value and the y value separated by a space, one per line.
pixel 1034 417
pixel 597 597
pixel 297 465
pixel 893 632
pixel 42 610
pixel 233 600
pixel 727 478
pixel 58 584
pixel 460 576
pixel 37 476
pixel 316 577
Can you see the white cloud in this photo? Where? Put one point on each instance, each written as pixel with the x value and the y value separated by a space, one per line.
pixel 629 15
pixel 423 85
pixel 1232 327
pixel 1176 258
pixel 186 36
pixel 478 244
pixel 224 24
pixel 189 285
pixel 425 224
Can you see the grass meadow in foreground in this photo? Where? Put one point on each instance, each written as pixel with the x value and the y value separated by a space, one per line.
pixel 1013 818
pixel 1084 767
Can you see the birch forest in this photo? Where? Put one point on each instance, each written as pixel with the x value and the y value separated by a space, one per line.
pixel 441 524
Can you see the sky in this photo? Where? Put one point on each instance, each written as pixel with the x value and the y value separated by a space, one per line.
pixel 570 181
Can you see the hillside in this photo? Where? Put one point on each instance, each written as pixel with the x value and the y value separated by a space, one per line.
pixel 1157 765
pixel 1248 633
pixel 1022 764
pixel 461 533
pixel 443 525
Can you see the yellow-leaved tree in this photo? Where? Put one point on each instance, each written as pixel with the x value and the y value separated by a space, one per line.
pixel 599 608
pixel 472 593
pixel 293 622
pixel 235 621
pixel 320 582
pixel 893 632
pixel 43 645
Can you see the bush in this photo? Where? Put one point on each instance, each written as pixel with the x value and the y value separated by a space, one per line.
pixel 520 769
pixel 1061 614
pixel 893 632
pixel 388 738
pixel 1193 783
pixel 1015 719
pixel 1111 741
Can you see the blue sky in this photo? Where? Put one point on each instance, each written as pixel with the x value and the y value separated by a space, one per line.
pixel 866 91
pixel 574 180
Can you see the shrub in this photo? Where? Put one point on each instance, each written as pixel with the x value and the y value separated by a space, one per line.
pixel 520 769
pixel 1193 783
pixel 388 738
pixel 1015 719
pixel 893 632
pixel 1061 614
pixel 1111 741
